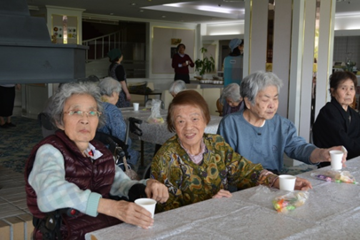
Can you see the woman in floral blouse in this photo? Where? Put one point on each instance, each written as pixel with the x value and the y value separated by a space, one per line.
pixel 196 166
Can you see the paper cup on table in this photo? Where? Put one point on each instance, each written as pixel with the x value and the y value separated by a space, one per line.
pixel 147 203
pixel 336 158
pixel 287 182
pixel 136 106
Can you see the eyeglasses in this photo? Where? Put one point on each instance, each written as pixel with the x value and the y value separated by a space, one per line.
pixel 79 113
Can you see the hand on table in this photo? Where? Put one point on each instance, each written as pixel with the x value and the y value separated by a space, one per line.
pixel 223 193
pixel 302 184
pixel 128 212
pixel 156 190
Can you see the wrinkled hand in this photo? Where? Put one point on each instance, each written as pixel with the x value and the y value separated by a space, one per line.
pixel 302 184
pixel 128 212
pixel 223 193
pixel 156 190
pixel 323 155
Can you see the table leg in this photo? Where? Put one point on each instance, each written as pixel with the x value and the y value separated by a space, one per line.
pixel 142 153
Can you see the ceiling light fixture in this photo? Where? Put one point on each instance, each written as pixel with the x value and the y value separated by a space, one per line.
pixel 214 9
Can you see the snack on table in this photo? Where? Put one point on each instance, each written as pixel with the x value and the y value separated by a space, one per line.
pixel 290 201
pixel 334 176
pixel 155 120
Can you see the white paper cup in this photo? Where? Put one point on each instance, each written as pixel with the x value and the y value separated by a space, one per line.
pixel 136 106
pixel 187 62
pixel 336 157
pixel 147 203
pixel 287 182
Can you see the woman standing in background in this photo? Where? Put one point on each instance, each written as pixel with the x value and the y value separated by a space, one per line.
pixel 180 63
pixel 117 71
pixel 7 99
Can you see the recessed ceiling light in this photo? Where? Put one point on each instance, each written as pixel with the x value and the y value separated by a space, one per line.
pixel 141 10
pixel 163 16
pixel 133 4
pixel 111 14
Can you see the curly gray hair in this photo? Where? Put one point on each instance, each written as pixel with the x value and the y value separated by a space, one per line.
pixel 109 85
pixel 57 103
pixel 257 81
pixel 231 91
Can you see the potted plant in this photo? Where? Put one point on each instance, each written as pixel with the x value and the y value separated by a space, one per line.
pixel 206 65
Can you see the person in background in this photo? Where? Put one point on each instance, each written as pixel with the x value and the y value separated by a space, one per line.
pixel 260 134
pixel 231 99
pixel 7 100
pixel 176 87
pixel 181 63
pixel 196 166
pixel 117 71
pixel 114 121
pixel 71 170
pixel 233 64
pixel 337 123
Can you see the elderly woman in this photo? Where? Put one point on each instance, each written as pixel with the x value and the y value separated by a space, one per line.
pixel 176 87
pixel 337 123
pixel 231 99
pixel 114 121
pixel 196 166
pixel 263 136
pixel 117 71
pixel 70 170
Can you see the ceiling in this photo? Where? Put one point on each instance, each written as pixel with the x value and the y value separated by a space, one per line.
pixel 185 11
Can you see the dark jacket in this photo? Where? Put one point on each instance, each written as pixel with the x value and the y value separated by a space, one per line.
pixel 96 176
pixel 334 126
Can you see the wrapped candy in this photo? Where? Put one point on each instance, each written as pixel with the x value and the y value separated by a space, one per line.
pixel 334 176
pixel 290 201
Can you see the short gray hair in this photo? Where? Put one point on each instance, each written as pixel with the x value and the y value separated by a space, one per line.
pixel 231 91
pixel 177 86
pixel 109 85
pixel 257 81
pixel 57 103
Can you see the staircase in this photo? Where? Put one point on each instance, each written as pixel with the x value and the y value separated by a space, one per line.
pixel 100 46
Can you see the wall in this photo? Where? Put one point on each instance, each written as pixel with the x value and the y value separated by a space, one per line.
pixel 345 45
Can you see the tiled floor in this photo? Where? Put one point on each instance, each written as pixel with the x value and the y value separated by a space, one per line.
pixel 15 219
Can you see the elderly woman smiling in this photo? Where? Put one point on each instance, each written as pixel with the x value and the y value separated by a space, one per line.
pixel 337 123
pixel 196 166
pixel 260 134
pixel 69 170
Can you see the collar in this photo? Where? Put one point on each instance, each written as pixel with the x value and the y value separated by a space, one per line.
pixel 198 157
pixel 181 55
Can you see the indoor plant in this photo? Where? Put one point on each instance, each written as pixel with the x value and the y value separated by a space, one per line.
pixel 206 65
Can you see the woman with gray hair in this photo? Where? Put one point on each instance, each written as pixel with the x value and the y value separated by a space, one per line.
pixel 176 87
pixel 114 121
pixel 231 99
pixel 263 136
pixel 71 170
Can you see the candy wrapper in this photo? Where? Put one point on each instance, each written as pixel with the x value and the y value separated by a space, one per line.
pixel 290 201
pixel 334 176
pixel 155 116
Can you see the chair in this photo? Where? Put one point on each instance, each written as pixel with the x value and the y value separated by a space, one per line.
pixel 211 95
pixel 219 107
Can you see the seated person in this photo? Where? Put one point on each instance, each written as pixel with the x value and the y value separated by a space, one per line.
pixel 71 170
pixel 176 87
pixel 231 99
pixel 337 123
pixel 196 166
pixel 263 136
pixel 114 121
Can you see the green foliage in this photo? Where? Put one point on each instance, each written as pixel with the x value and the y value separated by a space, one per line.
pixel 206 65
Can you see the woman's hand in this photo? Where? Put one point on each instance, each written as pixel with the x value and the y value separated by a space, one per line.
pixel 223 193
pixel 323 155
pixel 156 190
pixel 128 212
pixel 302 184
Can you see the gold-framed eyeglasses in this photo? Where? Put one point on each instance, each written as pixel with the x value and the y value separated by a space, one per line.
pixel 79 113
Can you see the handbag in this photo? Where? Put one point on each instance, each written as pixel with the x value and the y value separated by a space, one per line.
pixel 120 159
